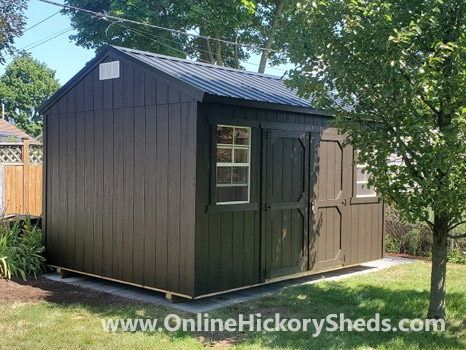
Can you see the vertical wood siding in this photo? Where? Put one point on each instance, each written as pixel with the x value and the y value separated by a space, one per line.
pixel 228 246
pixel 120 192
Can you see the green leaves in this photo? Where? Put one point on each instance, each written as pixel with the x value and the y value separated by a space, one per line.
pixel 21 250
pixel 12 22
pixel 256 23
pixel 397 69
pixel 25 85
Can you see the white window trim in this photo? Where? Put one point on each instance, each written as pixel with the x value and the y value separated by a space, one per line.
pixel 372 195
pixel 232 164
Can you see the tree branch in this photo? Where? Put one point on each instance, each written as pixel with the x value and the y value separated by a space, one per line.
pixel 456 225
pixel 456 236
pixel 423 99
pixel 270 39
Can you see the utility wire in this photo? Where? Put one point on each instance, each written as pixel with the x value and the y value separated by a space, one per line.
pixel 41 41
pixel 51 38
pixel 106 17
pixel 45 19
pixel 151 36
pixel 145 35
pixel 47 38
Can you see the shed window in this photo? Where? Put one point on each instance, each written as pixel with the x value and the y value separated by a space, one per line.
pixel 233 164
pixel 362 179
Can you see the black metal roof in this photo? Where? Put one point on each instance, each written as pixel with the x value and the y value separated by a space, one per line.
pixel 205 82
pixel 222 81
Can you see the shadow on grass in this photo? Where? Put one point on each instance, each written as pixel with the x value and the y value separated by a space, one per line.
pixel 318 301
pixel 302 302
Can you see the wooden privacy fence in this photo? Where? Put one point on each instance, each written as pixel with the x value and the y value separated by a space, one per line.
pixel 20 178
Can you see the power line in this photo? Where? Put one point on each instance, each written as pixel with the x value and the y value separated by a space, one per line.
pixel 105 17
pixel 45 19
pixel 145 35
pixel 150 37
pixel 41 41
pixel 51 38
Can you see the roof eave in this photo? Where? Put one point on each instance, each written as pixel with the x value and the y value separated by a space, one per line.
pixel 266 105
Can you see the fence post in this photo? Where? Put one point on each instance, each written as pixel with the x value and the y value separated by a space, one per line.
pixel 2 191
pixel 25 154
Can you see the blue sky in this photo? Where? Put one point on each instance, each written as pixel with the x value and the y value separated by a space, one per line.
pixel 61 54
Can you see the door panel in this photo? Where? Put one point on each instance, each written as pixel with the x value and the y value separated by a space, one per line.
pixel 330 193
pixel 286 200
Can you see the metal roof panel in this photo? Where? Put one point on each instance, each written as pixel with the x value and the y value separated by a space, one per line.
pixel 222 81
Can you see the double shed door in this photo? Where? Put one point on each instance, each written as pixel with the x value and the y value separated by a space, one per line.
pixel 331 190
pixel 306 188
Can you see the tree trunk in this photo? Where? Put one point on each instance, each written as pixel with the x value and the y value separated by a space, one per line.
pixel 218 52
pixel 439 269
pixel 206 54
pixel 269 42
pixel 236 55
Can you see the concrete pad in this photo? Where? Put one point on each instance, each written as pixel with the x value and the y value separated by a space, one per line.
pixel 227 299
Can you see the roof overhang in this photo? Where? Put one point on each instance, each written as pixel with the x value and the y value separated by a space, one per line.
pixel 194 92
pixel 266 105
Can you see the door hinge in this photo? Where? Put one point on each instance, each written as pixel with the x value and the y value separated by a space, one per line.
pixel 267 206
pixel 264 273
pixel 267 134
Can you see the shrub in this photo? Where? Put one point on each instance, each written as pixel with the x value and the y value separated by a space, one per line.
pixel 21 250
pixel 403 237
pixel 457 256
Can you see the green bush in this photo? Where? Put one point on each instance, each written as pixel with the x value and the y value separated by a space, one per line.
pixel 457 256
pixel 21 250
pixel 403 237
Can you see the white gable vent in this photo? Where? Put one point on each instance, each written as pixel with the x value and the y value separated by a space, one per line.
pixel 109 70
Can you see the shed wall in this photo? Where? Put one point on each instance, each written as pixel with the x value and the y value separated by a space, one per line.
pixel 229 245
pixel 120 169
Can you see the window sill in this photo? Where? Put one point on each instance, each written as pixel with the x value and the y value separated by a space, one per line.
pixel 365 200
pixel 228 208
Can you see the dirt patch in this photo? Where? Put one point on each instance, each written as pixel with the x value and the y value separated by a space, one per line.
pixel 34 291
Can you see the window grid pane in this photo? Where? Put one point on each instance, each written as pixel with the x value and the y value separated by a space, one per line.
pixel 233 168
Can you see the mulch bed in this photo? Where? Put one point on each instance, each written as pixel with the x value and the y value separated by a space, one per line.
pixel 34 291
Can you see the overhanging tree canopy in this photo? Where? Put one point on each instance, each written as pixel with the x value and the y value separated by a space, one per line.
pixel 255 23
pixel 401 68
pixel 12 22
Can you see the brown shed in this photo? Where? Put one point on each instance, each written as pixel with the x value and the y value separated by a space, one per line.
pixel 194 179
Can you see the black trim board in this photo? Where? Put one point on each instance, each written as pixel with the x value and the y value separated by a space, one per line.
pixel 266 105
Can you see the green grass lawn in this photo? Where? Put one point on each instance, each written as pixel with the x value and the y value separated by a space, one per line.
pixel 396 293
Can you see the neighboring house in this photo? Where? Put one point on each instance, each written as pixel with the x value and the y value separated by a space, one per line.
pixel 11 130
pixel 195 179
